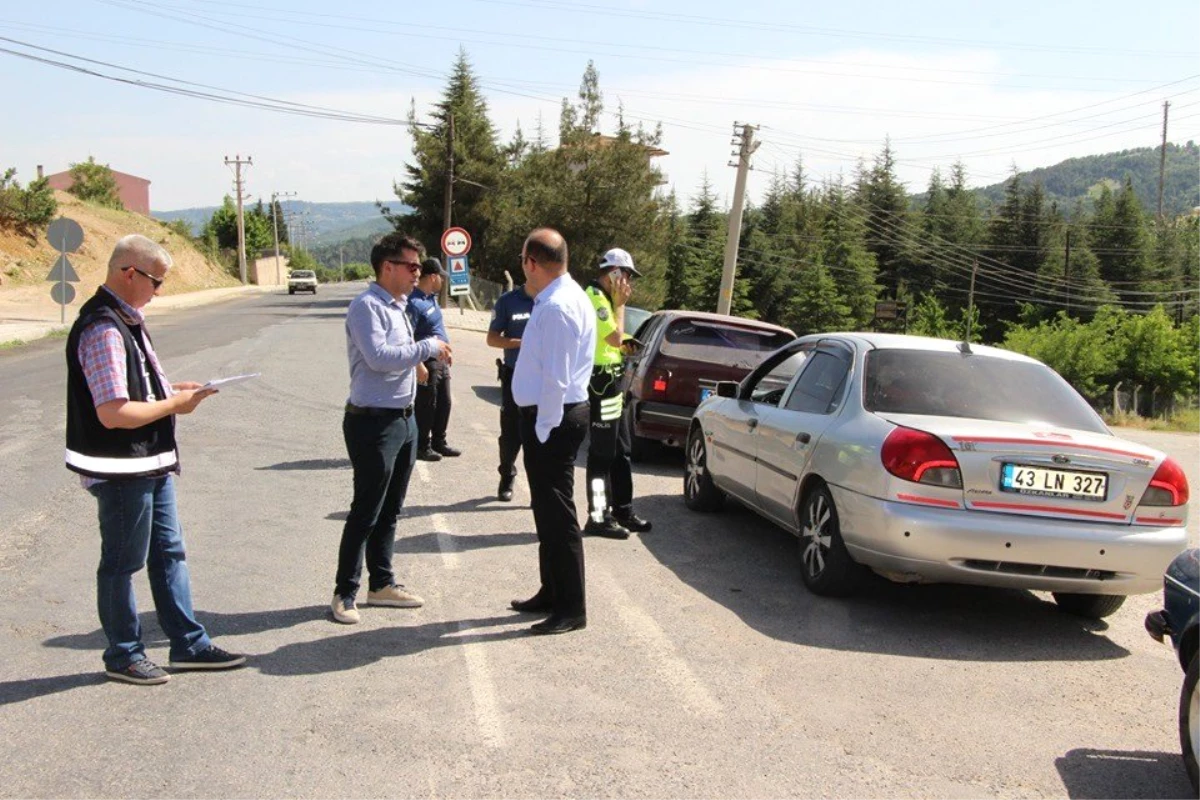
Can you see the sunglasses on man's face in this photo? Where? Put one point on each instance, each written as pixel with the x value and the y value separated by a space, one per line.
pixel 412 266
pixel 157 282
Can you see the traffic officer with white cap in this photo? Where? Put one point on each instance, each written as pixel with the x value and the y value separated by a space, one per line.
pixel 609 475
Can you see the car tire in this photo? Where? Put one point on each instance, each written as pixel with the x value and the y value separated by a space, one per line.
pixel 825 565
pixel 1188 722
pixel 1092 606
pixel 291 291
pixel 699 491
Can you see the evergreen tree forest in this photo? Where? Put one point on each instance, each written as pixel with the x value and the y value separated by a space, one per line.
pixel 1101 281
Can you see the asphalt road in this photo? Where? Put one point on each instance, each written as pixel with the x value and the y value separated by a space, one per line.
pixel 706 669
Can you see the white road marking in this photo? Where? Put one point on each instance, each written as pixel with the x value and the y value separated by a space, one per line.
pixel 670 665
pixel 483 688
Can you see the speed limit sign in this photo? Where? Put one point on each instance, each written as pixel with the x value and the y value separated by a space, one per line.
pixel 456 242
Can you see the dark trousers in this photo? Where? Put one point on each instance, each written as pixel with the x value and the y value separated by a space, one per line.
pixel 383 449
pixel 608 450
pixel 433 405
pixel 550 469
pixel 510 425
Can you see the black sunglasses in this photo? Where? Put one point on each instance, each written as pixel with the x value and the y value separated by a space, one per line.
pixel 156 281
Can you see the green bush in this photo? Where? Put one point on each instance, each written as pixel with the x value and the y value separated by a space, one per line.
pixel 27 210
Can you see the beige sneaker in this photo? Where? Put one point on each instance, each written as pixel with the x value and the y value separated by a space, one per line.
pixel 344 610
pixel 395 595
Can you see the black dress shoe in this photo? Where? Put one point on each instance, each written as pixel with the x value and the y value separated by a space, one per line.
pixel 609 529
pixel 534 605
pixel 447 450
pixel 557 624
pixel 506 490
pixel 428 455
pixel 633 522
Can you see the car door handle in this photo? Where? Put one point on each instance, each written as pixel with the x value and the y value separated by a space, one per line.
pixel 752 423
pixel 803 438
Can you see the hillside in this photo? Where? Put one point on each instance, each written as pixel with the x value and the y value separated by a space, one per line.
pixel 327 222
pixel 1080 178
pixel 24 265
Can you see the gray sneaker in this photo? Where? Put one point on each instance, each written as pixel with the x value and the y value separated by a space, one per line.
pixel 144 673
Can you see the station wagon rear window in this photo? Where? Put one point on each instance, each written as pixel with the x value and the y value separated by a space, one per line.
pixel 717 343
pixel 973 386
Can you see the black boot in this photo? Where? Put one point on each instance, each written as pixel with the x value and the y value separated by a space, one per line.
pixel 505 492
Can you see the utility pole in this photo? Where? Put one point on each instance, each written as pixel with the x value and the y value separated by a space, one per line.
pixel 748 146
pixel 447 216
pixel 1066 271
pixel 237 163
pixel 1162 162
pixel 275 211
pixel 342 264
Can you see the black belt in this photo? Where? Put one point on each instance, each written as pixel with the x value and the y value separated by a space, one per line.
pixel 372 411
pixel 531 411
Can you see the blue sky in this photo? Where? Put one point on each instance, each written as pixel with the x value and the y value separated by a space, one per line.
pixel 992 84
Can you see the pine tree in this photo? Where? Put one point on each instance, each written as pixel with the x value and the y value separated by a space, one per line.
pixel 885 202
pixel 844 252
pixel 1120 243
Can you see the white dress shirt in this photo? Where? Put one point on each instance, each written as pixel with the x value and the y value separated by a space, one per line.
pixel 557 350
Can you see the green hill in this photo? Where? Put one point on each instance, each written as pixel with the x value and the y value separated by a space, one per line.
pixel 1081 178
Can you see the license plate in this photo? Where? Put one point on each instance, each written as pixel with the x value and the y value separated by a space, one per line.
pixel 1024 479
pixel 705 393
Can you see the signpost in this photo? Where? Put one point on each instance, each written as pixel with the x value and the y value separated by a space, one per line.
pixel 66 236
pixel 456 243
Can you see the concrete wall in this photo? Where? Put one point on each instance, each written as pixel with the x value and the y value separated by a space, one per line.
pixel 264 272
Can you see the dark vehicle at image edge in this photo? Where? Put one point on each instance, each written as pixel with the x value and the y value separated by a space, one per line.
pixel 686 353
pixel 1178 620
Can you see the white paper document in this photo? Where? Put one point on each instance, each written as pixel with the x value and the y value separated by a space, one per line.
pixel 221 383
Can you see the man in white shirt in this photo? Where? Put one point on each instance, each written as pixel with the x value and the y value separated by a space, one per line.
pixel 550 386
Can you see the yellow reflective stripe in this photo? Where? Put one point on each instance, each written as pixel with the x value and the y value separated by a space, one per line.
pixel 610 408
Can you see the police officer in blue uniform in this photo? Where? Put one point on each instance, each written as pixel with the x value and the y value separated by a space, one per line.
pixel 433 395
pixel 509 316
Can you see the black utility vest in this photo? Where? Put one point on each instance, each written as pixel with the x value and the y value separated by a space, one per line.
pixel 100 452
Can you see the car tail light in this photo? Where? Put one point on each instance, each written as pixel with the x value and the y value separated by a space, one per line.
pixel 920 457
pixel 1168 487
pixel 656 382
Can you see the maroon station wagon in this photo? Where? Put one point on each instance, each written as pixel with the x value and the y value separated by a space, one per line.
pixel 685 354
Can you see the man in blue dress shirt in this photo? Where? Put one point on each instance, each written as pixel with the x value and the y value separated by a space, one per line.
pixel 550 386
pixel 509 318
pixel 378 426
pixel 433 394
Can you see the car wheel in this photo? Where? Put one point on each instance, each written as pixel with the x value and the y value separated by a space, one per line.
pixel 1092 606
pixel 699 491
pixel 291 291
pixel 1189 734
pixel 825 564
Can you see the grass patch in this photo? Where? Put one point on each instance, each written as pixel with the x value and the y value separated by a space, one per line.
pixel 55 333
pixel 1185 420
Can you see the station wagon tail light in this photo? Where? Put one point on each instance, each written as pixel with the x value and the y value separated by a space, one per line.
pixel 1168 487
pixel 657 381
pixel 920 457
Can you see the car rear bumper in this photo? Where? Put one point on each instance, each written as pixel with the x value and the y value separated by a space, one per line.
pixel 664 422
pixel 908 542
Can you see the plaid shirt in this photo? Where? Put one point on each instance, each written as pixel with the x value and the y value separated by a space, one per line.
pixel 102 356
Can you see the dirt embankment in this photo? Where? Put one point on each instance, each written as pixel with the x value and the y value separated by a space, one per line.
pixel 24 265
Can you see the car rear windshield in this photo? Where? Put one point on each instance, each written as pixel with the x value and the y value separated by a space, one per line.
pixel 718 343
pixel 974 386
pixel 303 273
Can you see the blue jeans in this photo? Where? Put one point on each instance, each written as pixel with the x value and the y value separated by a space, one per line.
pixel 139 527
pixel 382 452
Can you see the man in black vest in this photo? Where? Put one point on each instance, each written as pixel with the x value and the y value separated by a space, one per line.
pixel 121 440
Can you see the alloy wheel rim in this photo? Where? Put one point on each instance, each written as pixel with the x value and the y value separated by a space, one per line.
pixel 695 466
pixel 816 536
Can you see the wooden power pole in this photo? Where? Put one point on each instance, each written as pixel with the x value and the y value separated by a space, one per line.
pixel 748 146
pixel 237 163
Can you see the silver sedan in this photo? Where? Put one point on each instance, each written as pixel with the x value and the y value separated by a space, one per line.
pixel 928 460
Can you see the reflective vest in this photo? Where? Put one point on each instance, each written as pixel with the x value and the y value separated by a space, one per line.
pixel 606 323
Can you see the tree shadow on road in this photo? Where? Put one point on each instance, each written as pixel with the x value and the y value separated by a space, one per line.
pixel 751 567
pixel 364 647
pixel 310 464
pixel 33 688
pixel 1087 773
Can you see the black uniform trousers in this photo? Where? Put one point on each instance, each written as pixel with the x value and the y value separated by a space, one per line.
pixel 550 469
pixel 433 406
pixel 510 425
pixel 608 449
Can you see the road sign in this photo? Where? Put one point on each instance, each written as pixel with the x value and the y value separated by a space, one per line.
pixel 460 275
pixel 456 242
pixel 63 271
pixel 65 235
pixel 62 293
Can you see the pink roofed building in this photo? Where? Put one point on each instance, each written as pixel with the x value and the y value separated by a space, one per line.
pixel 133 191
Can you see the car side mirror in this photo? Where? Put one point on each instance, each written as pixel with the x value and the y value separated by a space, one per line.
pixel 727 389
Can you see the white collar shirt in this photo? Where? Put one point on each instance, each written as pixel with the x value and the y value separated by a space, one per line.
pixel 557 351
